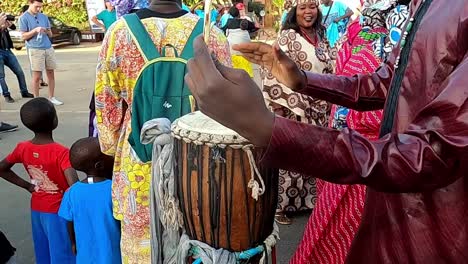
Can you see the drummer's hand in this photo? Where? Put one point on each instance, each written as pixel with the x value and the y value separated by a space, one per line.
pixel 276 61
pixel 229 96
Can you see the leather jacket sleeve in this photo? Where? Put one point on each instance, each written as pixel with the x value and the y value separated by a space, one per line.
pixel 430 154
pixel 363 92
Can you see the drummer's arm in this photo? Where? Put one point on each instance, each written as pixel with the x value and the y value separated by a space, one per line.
pixel 110 106
pixel 424 157
pixel 362 92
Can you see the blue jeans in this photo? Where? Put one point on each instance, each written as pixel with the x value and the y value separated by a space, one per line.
pixel 7 58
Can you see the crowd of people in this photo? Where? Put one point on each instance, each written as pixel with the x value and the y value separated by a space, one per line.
pixel 364 114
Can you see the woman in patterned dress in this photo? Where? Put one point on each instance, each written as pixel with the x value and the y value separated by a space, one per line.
pixel 337 216
pixel 302 39
pixel 120 62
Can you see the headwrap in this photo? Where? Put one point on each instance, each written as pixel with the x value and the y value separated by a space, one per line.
pixel 372 18
pixel 298 2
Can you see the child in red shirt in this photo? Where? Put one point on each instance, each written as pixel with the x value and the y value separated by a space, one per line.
pixel 48 165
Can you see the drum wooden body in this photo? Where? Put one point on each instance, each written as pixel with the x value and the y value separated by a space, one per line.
pixel 212 175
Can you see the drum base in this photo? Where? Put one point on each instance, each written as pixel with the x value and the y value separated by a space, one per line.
pixel 253 261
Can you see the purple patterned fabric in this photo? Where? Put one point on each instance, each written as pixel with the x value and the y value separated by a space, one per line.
pixel 123 7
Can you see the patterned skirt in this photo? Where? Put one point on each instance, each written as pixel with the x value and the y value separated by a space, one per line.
pixel 296 192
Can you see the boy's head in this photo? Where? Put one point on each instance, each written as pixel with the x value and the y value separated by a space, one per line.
pixel 86 156
pixel 35 6
pixel 234 12
pixel 39 115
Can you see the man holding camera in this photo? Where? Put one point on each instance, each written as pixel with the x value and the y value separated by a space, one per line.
pixel 36 31
pixel 7 58
pixel 4 127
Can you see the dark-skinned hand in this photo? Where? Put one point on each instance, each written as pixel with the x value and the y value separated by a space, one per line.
pixel 276 61
pixel 228 96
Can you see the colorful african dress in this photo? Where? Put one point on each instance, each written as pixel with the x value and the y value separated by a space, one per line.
pixel 120 62
pixel 296 191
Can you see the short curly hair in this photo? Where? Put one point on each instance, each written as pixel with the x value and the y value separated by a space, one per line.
pixel 39 115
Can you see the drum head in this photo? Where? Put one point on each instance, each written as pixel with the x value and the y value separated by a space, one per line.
pixel 201 129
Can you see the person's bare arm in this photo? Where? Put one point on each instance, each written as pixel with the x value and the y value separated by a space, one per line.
pixel 71 235
pixel 48 31
pixel 97 22
pixel 201 3
pixel 71 176
pixel 30 34
pixel 7 174
pixel 349 13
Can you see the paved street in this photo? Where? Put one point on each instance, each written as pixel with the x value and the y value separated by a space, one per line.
pixel 75 81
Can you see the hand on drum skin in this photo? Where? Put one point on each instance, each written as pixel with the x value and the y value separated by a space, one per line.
pixel 276 61
pixel 229 96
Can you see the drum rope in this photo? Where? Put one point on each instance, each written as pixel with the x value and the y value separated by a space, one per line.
pixel 205 254
pixel 253 184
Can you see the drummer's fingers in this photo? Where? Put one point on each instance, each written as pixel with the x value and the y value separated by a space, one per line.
pixel 194 71
pixel 192 85
pixel 252 47
pixel 203 59
pixel 263 61
pixel 230 74
pixel 252 58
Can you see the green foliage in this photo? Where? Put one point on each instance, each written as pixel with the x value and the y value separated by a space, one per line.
pixel 256 7
pixel 278 4
pixel 71 12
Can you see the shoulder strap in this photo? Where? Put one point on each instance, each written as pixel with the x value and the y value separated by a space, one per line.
pixel 187 53
pixel 328 13
pixel 141 37
pixel 395 86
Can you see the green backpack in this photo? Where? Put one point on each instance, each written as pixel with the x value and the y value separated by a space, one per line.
pixel 160 90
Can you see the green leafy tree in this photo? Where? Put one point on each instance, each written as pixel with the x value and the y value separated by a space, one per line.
pixel 71 12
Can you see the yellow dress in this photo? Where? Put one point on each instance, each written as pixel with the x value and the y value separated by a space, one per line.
pixel 118 67
pixel 239 62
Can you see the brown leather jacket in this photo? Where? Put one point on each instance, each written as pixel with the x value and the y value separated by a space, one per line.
pixel 417 202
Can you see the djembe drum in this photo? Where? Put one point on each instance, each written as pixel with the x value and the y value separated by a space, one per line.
pixel 216 176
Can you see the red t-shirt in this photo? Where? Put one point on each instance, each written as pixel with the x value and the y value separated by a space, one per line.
pixel 45 165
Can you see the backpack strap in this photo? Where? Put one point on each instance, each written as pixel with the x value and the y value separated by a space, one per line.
pixel 141 37
pixel 187 53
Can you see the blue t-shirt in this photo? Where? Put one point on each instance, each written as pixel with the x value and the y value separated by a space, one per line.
pixel 201 14
pixel 107 18
pixel 185 7
pixel 29 22
pixel 338 9
pixel 283 17
pixel 224 19
pixel 97 233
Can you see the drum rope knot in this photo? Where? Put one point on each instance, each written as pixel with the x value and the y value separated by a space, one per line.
pixel 205 254
pixel 253 184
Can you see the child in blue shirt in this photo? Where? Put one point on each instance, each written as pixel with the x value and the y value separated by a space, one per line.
pixel 87 205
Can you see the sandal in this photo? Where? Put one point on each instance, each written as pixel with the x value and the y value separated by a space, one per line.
pixel 44 84
pixel 282 219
